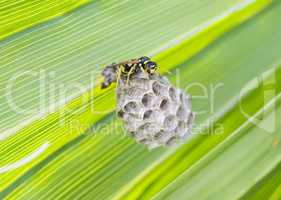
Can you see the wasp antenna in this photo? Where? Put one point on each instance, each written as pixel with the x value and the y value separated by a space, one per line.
pixel 168 72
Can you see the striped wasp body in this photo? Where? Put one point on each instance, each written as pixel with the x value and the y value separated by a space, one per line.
pixel 113 73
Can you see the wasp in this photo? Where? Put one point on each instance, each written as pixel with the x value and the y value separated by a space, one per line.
pixel 113 73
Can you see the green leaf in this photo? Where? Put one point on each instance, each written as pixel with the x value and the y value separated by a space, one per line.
pixel 16 16
pixel 78 149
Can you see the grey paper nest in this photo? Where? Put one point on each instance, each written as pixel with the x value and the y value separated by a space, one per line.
pixel 153 111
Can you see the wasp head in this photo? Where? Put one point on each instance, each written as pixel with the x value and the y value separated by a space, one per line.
pixel 150 66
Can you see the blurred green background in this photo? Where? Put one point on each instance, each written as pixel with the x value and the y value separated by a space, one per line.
pixel 60 137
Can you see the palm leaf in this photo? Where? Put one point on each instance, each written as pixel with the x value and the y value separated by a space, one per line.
pixel 78 148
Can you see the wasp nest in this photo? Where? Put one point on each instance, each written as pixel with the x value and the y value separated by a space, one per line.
pixel 154 112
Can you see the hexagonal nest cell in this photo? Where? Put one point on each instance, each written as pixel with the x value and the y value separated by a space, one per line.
pixel 162 113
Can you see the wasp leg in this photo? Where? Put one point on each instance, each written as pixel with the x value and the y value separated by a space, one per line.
pixel 130 73
pixel 143 70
